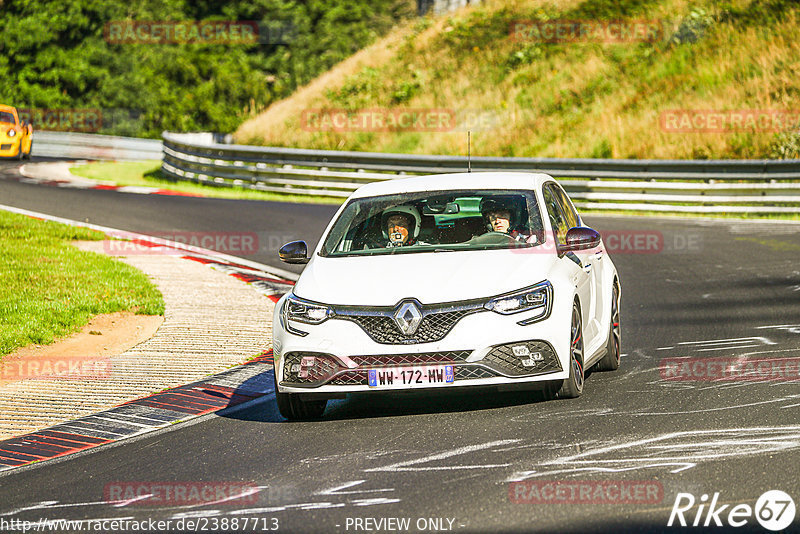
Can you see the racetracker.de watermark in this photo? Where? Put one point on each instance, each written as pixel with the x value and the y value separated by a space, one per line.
pixel 160 493
pixel 587 31
pixel 63 120
pixel 739 120
pixel 586 492
pixel 629 242
pixel 236 243
pixel 730 369
pixel 207 32
pixel 55 368
pixel 403 120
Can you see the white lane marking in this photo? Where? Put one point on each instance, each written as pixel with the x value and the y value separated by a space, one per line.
pixel 406 465
pixel 687 449
pixel 36 506
pixel 197 514
pixel 524 475
pixel 49 505
pixel 764 340
pixel 371 502
pixel 729 348
pixel 337 489
pixel 121 504
pixel 791 328
pixel 721 344
pixel 301 506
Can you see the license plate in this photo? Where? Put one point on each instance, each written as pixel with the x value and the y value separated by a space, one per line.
pixel 425 375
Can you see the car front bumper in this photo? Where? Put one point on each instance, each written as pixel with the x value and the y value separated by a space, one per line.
pixel 9 146
pixel 485 349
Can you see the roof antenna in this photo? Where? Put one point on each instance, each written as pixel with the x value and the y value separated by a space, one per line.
pixel 469 151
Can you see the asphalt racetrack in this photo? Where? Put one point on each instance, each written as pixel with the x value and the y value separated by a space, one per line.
pixel 613 460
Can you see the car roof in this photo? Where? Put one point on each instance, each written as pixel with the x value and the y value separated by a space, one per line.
pixel 11 109
pixel 454 182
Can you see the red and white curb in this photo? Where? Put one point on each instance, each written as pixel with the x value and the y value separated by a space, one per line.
pixel 234 387
pixel 57 174
pixel 230 388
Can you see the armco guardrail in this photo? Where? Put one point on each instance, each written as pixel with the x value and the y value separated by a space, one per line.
pixel 93 146
pixel 742 186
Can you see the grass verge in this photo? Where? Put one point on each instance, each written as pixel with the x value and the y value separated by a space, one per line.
pixel 50 289
pixel 148 173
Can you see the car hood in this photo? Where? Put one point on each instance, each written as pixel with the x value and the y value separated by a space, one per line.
pixel 430 277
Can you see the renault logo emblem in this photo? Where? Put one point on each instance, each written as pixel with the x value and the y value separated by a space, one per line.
pixel 407 316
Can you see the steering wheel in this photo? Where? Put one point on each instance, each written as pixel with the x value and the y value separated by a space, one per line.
pixel 492 238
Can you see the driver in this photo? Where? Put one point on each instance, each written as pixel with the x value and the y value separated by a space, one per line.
pixel 500 217
pixel 400 226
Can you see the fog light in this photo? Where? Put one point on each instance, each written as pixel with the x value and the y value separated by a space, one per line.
pixel 531 362
pixel 295 368
pixel 307 361
pixel 521 350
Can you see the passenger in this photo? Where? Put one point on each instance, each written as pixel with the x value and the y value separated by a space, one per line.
pixel 501 216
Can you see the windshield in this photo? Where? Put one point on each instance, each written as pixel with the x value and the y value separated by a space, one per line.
pixel 7 117
pixel 436 222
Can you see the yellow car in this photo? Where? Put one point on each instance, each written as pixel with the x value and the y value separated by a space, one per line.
pixel 16 138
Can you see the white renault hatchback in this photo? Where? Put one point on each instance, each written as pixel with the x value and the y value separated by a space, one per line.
pixel 447 281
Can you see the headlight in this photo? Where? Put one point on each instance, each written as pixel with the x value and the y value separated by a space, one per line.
pixel 530 298
pixel 305 311
pixel 12 132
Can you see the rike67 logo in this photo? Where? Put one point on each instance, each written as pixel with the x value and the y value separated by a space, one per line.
pixel 774 510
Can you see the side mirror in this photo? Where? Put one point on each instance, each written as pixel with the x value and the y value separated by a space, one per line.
pixel 580 238
pixel 294 252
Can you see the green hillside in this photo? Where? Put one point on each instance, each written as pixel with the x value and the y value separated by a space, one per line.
pixel 585 97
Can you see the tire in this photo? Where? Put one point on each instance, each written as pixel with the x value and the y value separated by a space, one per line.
pixel 293 408
pixel 572 387
pixel 20 153
pixel 610 361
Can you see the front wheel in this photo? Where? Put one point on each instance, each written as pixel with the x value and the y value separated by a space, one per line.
pixel 572 387
pixel 293 408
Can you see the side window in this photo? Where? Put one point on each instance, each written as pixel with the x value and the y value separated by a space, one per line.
pixel 557 221
pixel 566 207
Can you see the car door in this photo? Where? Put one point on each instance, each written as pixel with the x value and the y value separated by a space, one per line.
pixel 595 256
pixel 563 217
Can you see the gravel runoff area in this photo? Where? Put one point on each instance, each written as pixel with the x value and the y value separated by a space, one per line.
pixel 212 321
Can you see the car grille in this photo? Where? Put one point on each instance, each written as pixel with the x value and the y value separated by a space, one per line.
pixel 503 359
pixel 350 378
pixel 468 372
pixel 5 147
pixel 433 327
pixel 431 358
